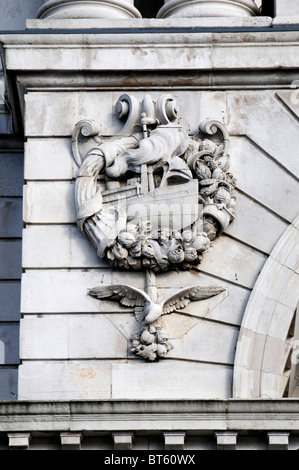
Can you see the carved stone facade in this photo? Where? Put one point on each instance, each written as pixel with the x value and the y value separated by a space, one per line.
pixel 160 227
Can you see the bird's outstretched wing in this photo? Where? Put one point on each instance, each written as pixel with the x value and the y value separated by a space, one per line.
pixel 182 297
pixel 124 294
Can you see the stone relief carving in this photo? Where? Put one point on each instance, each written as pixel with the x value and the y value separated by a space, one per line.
pixel 151 342
pixel 152 198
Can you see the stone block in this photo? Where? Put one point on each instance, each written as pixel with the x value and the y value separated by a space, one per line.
pixel 19 440
pixel 174 440
pixel 9 338
pixel 281 321
pixel 10 255
pixel 57 246
pixel 11 220
pixel 49 202
pixel 276 191
pixel 285 8
pixel 70 440
pixel 247 111
pixel 273 356
pixel 49 159
pixel 9 383
pixel 71 291
pixel 10 295
pixel 122 440
pixel 58 380
pixel 278 440
pixel 148 23
pixel 71 337
pixel 170 380
pixel 233 261
pixel 247 226
pixel 15 13
pixel 66 110
pixel 226 440
pixel 11 174
pixel 205 341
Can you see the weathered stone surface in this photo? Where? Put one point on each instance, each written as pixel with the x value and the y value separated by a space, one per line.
pixel 48 159
pixel 206 341
pixel 56 246
pixel 49 202
pixel 264 179
pixel 71 337
pixel 283 9
pixel 42 380
pixel 192 381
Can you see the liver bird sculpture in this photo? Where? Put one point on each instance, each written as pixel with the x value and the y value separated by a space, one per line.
pixel 148 311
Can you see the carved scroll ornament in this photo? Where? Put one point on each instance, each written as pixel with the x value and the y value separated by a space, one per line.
pixel 152 198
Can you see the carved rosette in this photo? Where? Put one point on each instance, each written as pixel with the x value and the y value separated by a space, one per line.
pixel 153 197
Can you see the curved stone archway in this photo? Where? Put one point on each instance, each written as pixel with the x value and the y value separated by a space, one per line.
pixel 264 346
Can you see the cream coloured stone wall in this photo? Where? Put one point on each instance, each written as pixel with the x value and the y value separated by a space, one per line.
pixel 80 347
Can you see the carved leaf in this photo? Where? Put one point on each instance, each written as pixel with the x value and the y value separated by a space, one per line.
pixel 182 297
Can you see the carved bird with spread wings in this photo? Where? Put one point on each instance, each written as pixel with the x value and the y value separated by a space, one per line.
pixel 147 311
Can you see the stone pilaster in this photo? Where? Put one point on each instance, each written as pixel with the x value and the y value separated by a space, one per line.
pixel 78 9
pixel 208 8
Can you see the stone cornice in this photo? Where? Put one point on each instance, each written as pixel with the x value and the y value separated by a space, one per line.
pixel 201 415
pixel 162 51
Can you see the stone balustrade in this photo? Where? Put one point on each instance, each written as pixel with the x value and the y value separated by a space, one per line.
pixel 111 9
pixel 208 8
pixel 77 9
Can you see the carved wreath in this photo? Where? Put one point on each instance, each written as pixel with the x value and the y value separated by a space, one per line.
pixel 127 182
